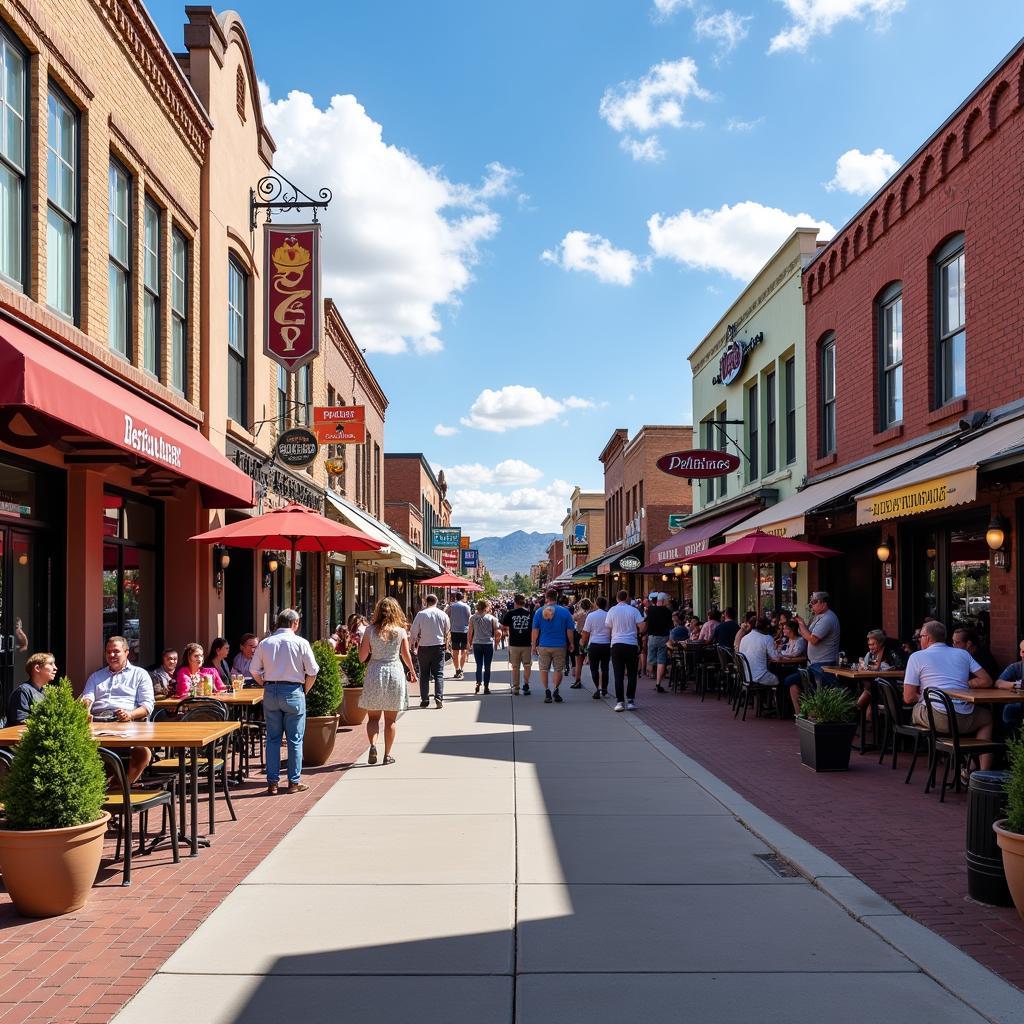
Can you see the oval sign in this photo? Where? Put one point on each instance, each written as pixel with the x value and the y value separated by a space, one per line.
pixel 297 447
pixel 629 563
pixel 698 464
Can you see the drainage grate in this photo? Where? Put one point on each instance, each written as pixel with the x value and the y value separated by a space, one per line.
pixel 777 865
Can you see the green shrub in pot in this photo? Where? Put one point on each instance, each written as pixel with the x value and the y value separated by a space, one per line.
pixel 353 667
pixel 325 694
pixel 828 704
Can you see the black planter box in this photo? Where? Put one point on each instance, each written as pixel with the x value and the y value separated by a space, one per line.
pixel 826 746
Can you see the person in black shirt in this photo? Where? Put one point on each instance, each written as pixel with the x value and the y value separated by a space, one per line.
pixel 969 640
pixel 518 621
pixel 659 625
pixel 725 632
pixel 40 669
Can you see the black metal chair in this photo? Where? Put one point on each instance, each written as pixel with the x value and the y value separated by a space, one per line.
pixel 6 760
pixel 124 803
pixel 957 750
pixel 727 672
pixel 709 673
pixel 895 727
pixel 747 690
pixel 677 670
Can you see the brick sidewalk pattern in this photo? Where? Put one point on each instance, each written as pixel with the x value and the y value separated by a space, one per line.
pixel 85 966
pixel 906 846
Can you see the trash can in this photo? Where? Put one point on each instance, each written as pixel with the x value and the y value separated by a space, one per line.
pixel 986 803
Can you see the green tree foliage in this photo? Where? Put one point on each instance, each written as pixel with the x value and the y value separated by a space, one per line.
pixel 325 694
pixel 491 588
pixel 57 779
pixel 1015 786
pixel 353 667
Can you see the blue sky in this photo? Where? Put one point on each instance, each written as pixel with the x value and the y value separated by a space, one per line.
pixel 541 208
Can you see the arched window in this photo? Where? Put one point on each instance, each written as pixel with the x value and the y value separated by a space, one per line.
pixel 827 394
pixel 889 313
pixel 950 352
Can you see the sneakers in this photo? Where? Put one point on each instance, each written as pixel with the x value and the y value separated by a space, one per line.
pixel 515 691
pixel 487 689
pixel 526 689
pixel 620 706
pixel 576 686
pixel 604 693
pixel 476 689
pixel 437 702
pixel 630 705
pixel 547 696
pixel 558 696
pixel 660 688
pixel 596 695
pixel 458 674
pixel 424 703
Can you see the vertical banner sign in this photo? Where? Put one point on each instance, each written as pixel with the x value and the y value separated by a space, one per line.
pixel 291 293
pixel 340 424
pixel 446 537
pixel 470 558
pixel 464 542
pixel 450 559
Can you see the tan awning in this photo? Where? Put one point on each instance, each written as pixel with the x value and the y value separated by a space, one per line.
pixel 787 518
pixel 948 480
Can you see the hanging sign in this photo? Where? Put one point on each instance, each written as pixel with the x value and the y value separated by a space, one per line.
pixel 698 464
pixel 629 563
pixel 297 447
pixel 470 558
pixel 340 424
pixel 735 355
pixel 446 537
pixel 464 543
pixel 676 520
pixel 291 293
pixel 450 559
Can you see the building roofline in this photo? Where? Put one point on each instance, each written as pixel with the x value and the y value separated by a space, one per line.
pixel 620 433
pixel 423 462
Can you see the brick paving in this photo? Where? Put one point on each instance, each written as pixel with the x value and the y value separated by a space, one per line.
pixel 85 966
pixel 907 846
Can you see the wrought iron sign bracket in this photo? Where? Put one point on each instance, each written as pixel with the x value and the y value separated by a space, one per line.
pixel 276 194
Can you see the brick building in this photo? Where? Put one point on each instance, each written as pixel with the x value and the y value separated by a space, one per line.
pixel 639 498
pixel 415 499
pixel 915 389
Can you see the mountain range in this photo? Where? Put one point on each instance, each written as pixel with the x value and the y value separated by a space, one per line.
pixel 514 553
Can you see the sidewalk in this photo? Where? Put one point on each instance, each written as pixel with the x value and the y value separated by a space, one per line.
pixel 534 863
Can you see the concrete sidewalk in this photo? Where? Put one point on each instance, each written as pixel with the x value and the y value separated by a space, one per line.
pixel 533 863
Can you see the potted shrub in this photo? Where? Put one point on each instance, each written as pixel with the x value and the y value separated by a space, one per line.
pixel 355 672
pixel 1010 830
pixel 322 707
pixel 827 722
pixel 52 839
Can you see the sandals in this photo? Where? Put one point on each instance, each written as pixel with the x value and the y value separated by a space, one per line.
pixel 372 758
pixel 388 759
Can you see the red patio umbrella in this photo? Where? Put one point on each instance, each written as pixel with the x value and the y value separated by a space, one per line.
pixel 758 547
pixel 294 527
pixel 449 581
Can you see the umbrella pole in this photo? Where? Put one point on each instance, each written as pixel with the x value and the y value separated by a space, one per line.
pixel 294 544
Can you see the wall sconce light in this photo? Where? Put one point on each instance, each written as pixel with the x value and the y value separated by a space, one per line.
pixel 884 550
pixel 678 570
pixel 930 554
pixel 23 558
pixel 998 540
pixel 793 565
pixel 221 560
pixel 664 578
pixel 269 568
pixel 686 567
pixel 401 585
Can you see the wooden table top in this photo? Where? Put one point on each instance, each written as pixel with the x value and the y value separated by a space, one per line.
pixel 143 734
pixel 247 698
pixel 864 673
pixel 989 695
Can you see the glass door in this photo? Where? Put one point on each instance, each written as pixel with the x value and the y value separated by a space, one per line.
pixel 25 586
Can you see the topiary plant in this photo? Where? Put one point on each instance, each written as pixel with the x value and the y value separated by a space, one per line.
pixel 1014 786
pixel 828 704
pixel 325 694
pixel 57 778
pixel 353 667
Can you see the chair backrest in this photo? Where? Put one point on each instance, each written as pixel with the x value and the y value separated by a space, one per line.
pixel 939 700
pixel 212 712
pixel 115 769
pixel 807 682
pixel 891 698
pixel 725 654
pixel 743 668
pixel 6 760
pixel 159 715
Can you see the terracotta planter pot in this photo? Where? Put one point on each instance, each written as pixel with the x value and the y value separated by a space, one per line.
pixel 318 739
pixel 354 714
pixel 1012 845
pixel 49 872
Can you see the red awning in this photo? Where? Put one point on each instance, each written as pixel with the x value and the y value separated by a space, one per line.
pixel 58 389
pixel 692 540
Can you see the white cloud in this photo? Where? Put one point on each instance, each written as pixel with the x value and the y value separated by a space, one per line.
pixel 516 406
pixel 734 240
pixel 646 150
pixel 727 28
pixel 652 102
pixel 400 239
pixel 862 174
pixel 734 124
pixel 442 431
pixel 482 512
pixel 509 473
pixel 812 18
pixel 580 250
pixel 664 9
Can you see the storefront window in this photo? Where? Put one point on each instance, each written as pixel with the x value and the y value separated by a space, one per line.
pixel 337 595
pixel 766 576
pixel 131 575
pixel 970 590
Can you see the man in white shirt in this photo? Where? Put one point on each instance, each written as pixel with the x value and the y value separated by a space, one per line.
pixel 952 669
pixel 597 638
pixel 625 623
pixel 758 648
pixel 284 666
pixel 458 614
pixel 428 638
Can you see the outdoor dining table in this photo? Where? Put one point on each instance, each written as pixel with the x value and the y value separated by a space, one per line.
pixel 990 695
pixel 190 737
pixel 865 676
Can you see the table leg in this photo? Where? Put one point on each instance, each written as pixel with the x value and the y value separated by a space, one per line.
pixel 208 753
pixel 181 794
pixel 194 803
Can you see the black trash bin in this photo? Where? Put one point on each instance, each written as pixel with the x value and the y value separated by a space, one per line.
pixel 986 803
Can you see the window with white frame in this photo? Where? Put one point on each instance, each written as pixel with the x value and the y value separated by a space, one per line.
pixel 951 322
pixel 151 288
pixel 770 426
pixel 12 159
pixel 119 264
pixel 890 356
pixel 61 203
pixel 827 395
pixel 753 434
pixel 238 342
pixel 179 311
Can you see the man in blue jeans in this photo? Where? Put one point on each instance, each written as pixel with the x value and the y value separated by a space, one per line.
pixel 286 669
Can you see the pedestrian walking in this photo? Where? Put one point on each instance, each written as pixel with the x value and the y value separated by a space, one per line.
pixel 659 625
pixel 458 615
pixel 625 624
pixel 516 624
pixel 598 640
pixel 429 639
pixel 385 646
pixel 550 638
pixel 484 633
pixel 579 617
pixel 283 664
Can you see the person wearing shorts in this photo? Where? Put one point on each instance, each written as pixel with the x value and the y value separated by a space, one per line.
pixel 459 613
pixel 659 625
pixel 551 636
pixel 517 622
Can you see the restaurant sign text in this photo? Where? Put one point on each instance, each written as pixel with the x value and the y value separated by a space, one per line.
pixel 698 464
pixel 927 496
pixel 291 293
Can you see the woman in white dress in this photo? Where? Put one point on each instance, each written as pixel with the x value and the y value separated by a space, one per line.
pixel 385 645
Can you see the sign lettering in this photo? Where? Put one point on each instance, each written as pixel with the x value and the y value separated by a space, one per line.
pixel 923 497
pixel 153 446
pixel 698 464
pixel 470 558
pixel 291 293
pixel 450 559
pixel 735 355
pixel 446 537
pixel 297 447
pixel 629 563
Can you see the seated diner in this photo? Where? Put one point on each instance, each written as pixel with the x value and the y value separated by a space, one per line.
pixel 41 669
pixel 217 658
pixel 243 659
pixel 190 676
pixel 163 674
